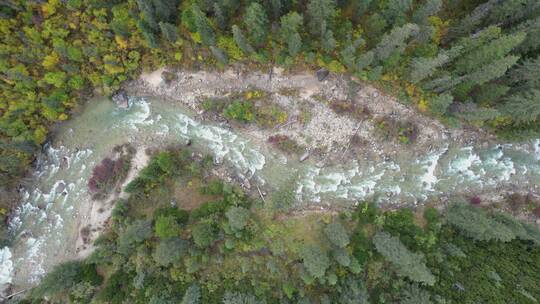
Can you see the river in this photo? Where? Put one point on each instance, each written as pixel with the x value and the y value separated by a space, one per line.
pixel 45 226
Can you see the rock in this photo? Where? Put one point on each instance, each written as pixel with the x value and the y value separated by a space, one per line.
pixel 322 74
pixel 304 156
pixel 121 99
pixel 168 77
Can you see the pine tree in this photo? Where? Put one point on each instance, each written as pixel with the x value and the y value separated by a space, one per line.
pixel 256 23
pixel 192 295
pixel 424 67
pixel 364 60
pixel 315 260
pixel 395 41
pixel 472 21
pixel 523 107
pixel 219 14
pixel 509 12
pixel 320 14
pixel 474 223
pixel 328 42
pixel 241 40
pixel 290 24
pixel 336 234
pixel 484 54
pixel 430 8
pixel 361 7
pixel 204 28
pixel 532 40
pixel 220 55
pixel 490 92
pixel 169 31
pixel 440 103
pixel 396 12
pixel 491 70
pixel 525 76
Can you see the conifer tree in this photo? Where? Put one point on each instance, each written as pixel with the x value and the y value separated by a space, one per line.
pixel 484 54
pixel 241 40
pixel 220 55
pixel 256 23
pixel 204 28
pixel 396 12
pixel 320 14
pixel 523 107
pixel 290 24
pixel 407 263
pixel 169 31
pixel 428 9
pixel 424 67
pixel 395 41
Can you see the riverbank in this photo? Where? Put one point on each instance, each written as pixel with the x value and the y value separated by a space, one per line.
pixel 350 158
pixel 334 137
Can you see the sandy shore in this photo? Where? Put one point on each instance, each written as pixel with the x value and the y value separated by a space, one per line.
pixel 95 214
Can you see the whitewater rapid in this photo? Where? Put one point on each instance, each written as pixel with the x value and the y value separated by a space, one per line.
pixel 44 225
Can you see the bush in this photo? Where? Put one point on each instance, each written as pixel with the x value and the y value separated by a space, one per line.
pixel 65 276
pixel 337 234
pixel 315 260
pixel 204 234
pixel 238 218
pixel 240 111
pixel 170 250
pixel 106 175
pixel 137 232
pixel 180 215
pixel 115 289
pixel 285 144
pixel 167 226
pixel 208 208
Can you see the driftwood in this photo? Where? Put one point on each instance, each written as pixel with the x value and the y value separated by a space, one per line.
pixel 14 294
pixel 350 140
pixel 260 193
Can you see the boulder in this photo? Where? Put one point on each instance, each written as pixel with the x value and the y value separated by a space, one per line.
pixel 168 77
pixel 322 74
pixel 121 99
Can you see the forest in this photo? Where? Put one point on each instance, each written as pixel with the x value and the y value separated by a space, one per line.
pixel 469 63
pixel 230 248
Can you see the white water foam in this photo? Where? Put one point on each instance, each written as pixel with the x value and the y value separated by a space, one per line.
pixel 224 144
pixel 429 179
pixel 6 267
pixel 464 164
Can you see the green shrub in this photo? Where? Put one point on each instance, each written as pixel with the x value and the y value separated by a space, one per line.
pixel 204 234
pixel 167 226
pixel 240 111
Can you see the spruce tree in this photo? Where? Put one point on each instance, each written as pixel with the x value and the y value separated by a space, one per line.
pixel 491 70
pixel 219 54
pixel 256 23
pixel 407 263
pixel 395 41
pixel 204 28
pixel 290 25
pixel 169 31
pixel 523 107
pixel 430 8
pixel 241 40
pixel 396 11
pixel 492 51
pixel 320 14
pixel 424 67
pixel 525 76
